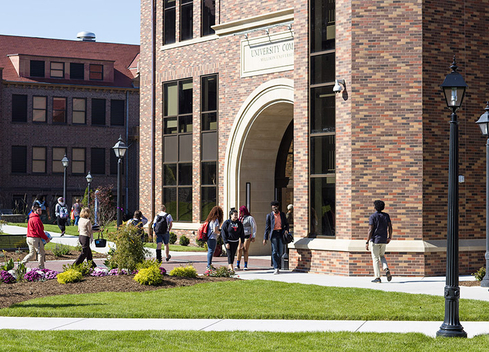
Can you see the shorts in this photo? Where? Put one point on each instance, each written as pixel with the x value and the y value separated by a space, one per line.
pixel 165 238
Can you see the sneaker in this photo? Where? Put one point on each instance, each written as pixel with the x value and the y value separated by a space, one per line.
pixel 236 268
pixel 388 274
pixel 62 234
pixel 377 281
pixel 169 257
pixel 276 272
pixel 245 268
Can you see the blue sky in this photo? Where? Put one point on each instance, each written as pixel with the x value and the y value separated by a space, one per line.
pixel 113 21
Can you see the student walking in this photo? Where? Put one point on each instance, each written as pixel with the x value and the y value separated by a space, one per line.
pixel 214 220
pixel 249 227
pixel 61 212
pixel 35 235
pixel 276 226
pixel 85 237
pixel 232 235
pixel 162 224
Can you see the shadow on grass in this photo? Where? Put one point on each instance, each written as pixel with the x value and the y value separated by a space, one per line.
pixel 52 305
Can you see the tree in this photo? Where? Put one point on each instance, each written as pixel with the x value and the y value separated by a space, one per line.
pixel 105 206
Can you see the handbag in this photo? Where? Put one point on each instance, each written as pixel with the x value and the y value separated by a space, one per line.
pixel 100 242
pixel 288 237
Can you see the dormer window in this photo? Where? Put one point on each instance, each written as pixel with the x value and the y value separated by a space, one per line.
pixel 37 68
pixel 57 70
pixel 96 72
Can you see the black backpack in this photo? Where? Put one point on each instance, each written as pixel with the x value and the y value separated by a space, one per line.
pixel 161 225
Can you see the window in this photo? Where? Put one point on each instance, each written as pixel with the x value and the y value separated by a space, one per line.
pixel 322 145
pixel 96 72
pixel 97 165
pixel 19 159
pixel 209 99
pixel 19 108
pixel 39 109
pixel 186 19
pixel 57 70
pixel 39 160
pixel 177 146
pixel 80 111
pixel 58 154
pixel 77 71
pixel 59 110
pixel 78 161
pixel 169 21
pixel 117 112
pixel 208 16
pixel 37 68
pixel 98 111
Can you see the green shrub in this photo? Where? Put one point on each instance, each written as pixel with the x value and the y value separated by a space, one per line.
pixel 479 274
pixel 184 241
pixel 187 271
pixel 201 243
pixel 221 271
pixel 61 250
pixel 173 238
pixel 129 250
pixel 69 276
pixel 83 268
pixel 149 276
pixel 148 263
pixel 109 262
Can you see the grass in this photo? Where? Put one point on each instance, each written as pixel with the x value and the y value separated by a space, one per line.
pixel 270 300
pixel 23 340
pixel 70 230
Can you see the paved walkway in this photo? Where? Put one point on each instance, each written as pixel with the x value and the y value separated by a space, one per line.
pixel 260 269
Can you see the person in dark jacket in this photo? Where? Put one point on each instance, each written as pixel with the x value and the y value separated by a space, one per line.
pixel 35 235
pixel 275 227
pixel 232 232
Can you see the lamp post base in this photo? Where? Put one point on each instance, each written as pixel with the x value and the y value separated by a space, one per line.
pixel 451 331
pixel 485 282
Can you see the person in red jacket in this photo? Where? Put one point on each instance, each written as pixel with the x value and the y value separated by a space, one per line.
pixel 35 235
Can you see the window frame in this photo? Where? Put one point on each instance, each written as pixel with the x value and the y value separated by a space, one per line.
pixel 15 106
pixel 58 165
pixel 73 111
pixel 34 109
pixel 169 22
pixel 94 167
pixel 94 111
pixel 186 24
pixel 53 115
pixel 32 68
pixel 34 160
pixel 92 73
pixel 15 156
pixel 77 64
pixel 206 29
pixel 62 70
pixel 74 161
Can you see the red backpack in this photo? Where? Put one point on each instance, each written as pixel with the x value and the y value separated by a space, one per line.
pixel 202 234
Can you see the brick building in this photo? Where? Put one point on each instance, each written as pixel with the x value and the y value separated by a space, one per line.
pixel 66 97
pixel 237 107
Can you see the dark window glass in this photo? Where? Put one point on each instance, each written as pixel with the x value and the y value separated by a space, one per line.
pixel 59 110
pixel 322 25
pixel 169 21
pixel 98 111
pixel 96 72
pixel 209 121
pixel 322 109
pixel 170 175
pixel 97 164
pixel 323 155
pixel 209 146
pixel 37 68
pixel 170 201
pixel 208 201
pixel 208 16
pixel 117 112
pixel 185 204
pixel 19 159
pixel 170 125
pixel 323 68
pixel 322 207
pixel 19 108
pixel 185 124
pixel 209 93
pixel 209 176
pixel 185 174
pixel 77 71
pixel 186 19
pixel 185 96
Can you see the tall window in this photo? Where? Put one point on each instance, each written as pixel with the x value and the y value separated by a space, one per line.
pixel 186 19
pixel 57 70
pixel 39 109
pixel 39 160
pixel 209 99
pixel 177 149
pixel 77 71
pixel 19 108
pixel 80 111
pixel 322 118
pixel 96 72
pixel 98 111
pixel 97 165
pixel 37 68
pixel 169 21
pixel 78 161
pixel 19 159
pixel 58 154
pixel 117 112
pixel 208 16
pixel 59 110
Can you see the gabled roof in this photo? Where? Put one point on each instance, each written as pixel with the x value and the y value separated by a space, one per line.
pixel 123 56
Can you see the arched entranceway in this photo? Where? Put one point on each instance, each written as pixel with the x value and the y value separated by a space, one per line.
pixel 253 151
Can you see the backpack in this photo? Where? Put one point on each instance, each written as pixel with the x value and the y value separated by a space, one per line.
pixel 202 234
pixel 63 212
pixel 161 225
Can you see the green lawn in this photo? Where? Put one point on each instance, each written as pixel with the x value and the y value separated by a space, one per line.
pixel 23 340
pixel 256 299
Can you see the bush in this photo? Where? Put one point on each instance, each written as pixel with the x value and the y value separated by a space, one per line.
pixel 84 268
pixel 69 276
pixel 129 250
pixel 479 274
pixel 222 271
pixel 184 241
pixel 149 276
pixel 173 238
pixel 201 243
pixel 148 263
pixel 187 271
pixel 61 250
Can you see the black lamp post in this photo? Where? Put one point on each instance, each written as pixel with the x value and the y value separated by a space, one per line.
pixel 89 181
pixel 483 123
pixel 119 150
pixel 454 88
pixel 65 162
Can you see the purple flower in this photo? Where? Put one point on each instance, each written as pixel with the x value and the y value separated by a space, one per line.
pixel 99 272
pixel 162 271
pixel 6 277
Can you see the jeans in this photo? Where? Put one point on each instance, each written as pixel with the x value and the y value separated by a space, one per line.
pixel 378 252
pixel 76 220
pixel 211 247
pixel 277 248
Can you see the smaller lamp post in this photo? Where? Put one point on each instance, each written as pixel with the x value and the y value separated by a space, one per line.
pixel 483 123
pixel 119 150
pixel 89 181
pixel 65 163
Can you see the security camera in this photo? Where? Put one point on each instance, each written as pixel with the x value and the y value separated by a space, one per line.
pixel 337 85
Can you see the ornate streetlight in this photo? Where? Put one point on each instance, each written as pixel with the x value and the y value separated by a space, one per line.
pixel 454 88
pixel 119 150
pixel 89 181
pixel 65 163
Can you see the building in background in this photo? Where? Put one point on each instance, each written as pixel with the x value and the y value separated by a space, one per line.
pixel 238 107
pixel 63 97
